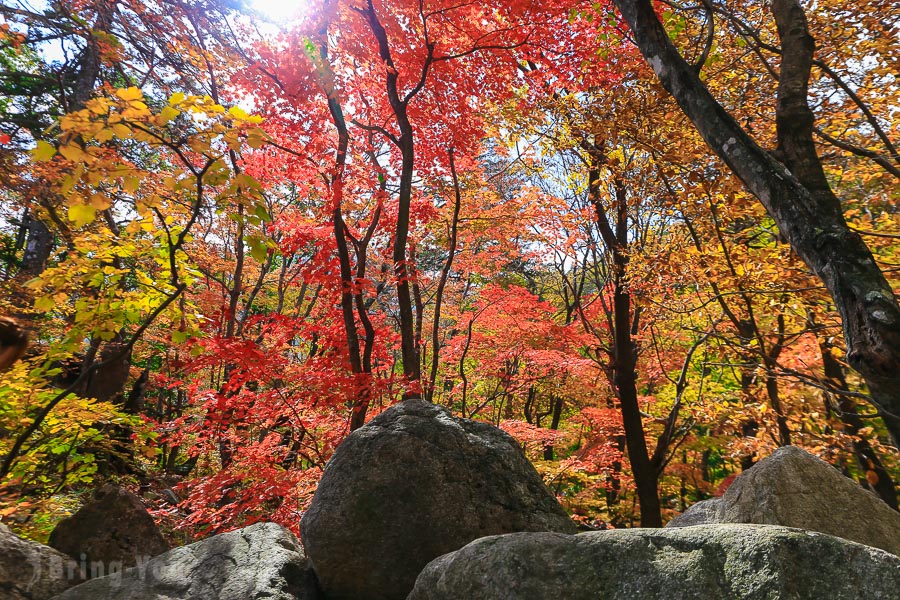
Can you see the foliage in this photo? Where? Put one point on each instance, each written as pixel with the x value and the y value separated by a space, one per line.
pixel 225 206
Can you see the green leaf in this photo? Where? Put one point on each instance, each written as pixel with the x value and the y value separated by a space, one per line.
pixel 44 304
pixel 43 152
pixel 261 212
pixel 258 248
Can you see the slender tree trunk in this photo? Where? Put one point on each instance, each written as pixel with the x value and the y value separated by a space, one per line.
pixel 360 360
pixel 405 142
pixel 624 355
pixel 557 406
pixel 645 477
pixel 442 282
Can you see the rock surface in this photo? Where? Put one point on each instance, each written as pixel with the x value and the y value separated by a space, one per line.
pixel 32 571
pixel 261 561
pixel 700 513
pixel 113 531
pixel 709 562
pixel 795 489
pixel 413 484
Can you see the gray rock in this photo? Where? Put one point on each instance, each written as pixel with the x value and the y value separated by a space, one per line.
pixel 795 489
pixel 110 532
pixel 261 561
pixel 700 513
pixel 705 562
pixel 32 571
pixel 413 484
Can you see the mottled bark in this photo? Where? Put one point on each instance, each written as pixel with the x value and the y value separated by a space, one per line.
pixel 38 246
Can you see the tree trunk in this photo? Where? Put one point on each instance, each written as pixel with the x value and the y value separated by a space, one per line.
pixel 645 476
pixel 557 406
pixel 877 477
pixel 38 246
pixel 624 354
pixel 442 282
pixel 405 142
pixel 808 219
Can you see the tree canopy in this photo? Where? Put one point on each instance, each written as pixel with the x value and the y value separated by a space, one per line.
pixel 652 241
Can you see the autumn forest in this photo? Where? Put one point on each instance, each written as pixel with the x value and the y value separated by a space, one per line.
pixel 652 241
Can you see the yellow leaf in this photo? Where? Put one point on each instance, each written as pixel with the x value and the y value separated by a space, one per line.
pixel 136 110
pixel 104 135
pixel 44 304
pixel 98 106
pixel 167 114
pixel 131 184
pixel 121 130
pixel 143 278
pixel 238 113
pixel 131 93
pixel 176 98
pixel 68 122
pixel 73 152
pixel 81 214
pixel 43 152
pixel 100 201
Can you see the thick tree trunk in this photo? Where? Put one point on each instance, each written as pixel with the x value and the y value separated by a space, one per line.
pixel 107 383
pixel 811 223
pixel 38 246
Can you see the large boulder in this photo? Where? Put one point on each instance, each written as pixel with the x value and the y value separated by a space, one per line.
pixel 261 561
pixel 795 489
pixel 701 513
pixel 413 484
pixel 32 571
pixel 733 562
pixel 111 531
